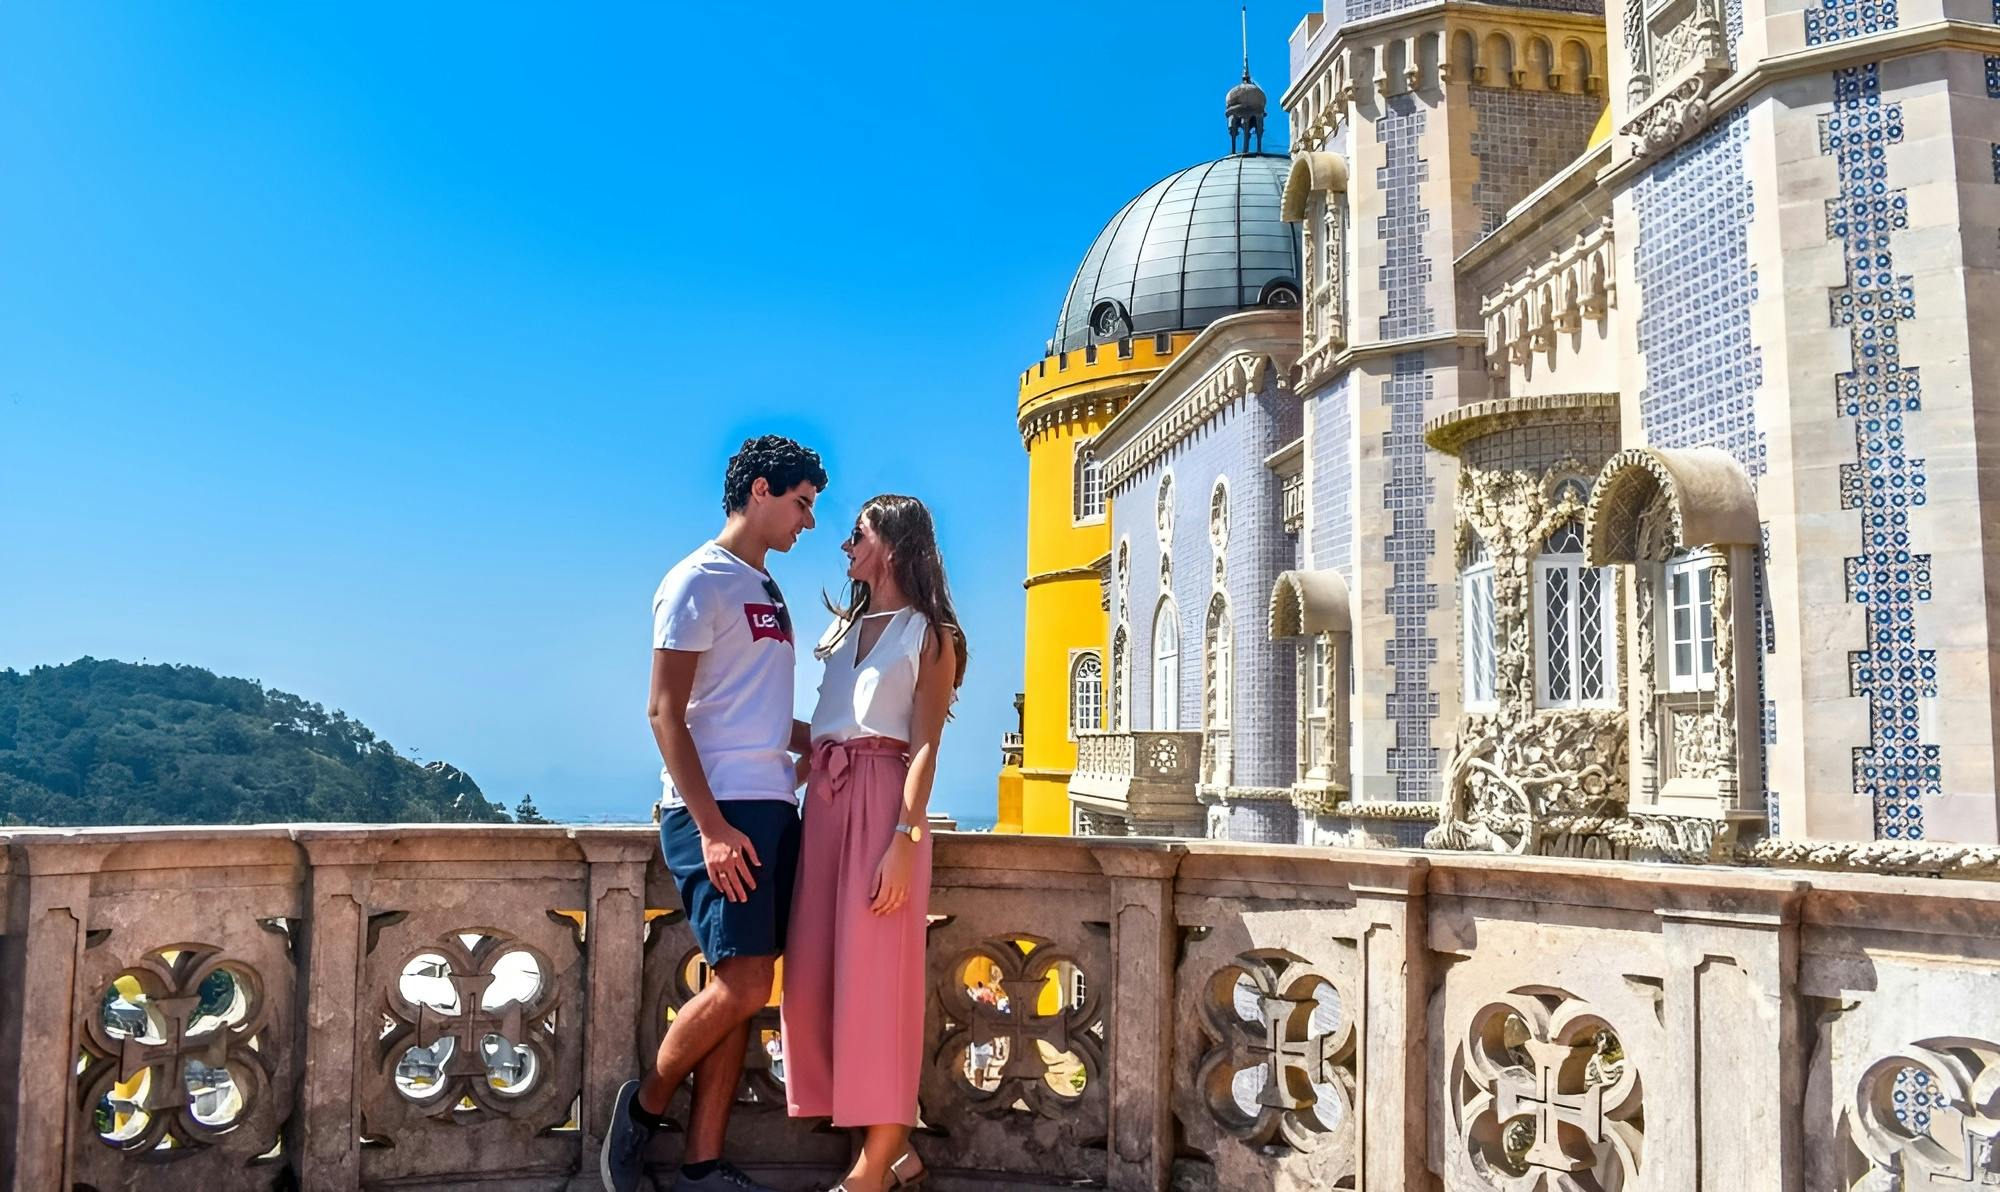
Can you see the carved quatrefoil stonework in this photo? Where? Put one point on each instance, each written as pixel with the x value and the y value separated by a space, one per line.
pixel 1025 1043
pixel 1928 1117
pixel 177 1057
pixel 1279 1070
pixel 1544 1098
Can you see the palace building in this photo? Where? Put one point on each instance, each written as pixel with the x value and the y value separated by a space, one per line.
pixel 1577 445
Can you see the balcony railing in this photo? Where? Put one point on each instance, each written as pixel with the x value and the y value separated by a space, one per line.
pixel 1138 784
pixel 396 1007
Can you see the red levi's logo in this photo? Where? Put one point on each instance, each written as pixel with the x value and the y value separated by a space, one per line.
pixel 764 623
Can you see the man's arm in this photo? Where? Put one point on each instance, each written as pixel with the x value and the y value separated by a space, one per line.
pixel 723 848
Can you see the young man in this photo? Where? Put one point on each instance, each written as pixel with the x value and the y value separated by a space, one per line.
pixel 721 708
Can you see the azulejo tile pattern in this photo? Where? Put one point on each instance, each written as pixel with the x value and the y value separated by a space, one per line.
pixel 1993 66
pixel 1838 20
pixel 1522 139
pixel 1333 478
pixel 1412 651
pixel 1406 272
pixel 1696 286
pixel 1996 163
pixel 1897 769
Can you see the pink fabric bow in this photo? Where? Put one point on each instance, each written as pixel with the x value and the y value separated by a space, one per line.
pixel 830 766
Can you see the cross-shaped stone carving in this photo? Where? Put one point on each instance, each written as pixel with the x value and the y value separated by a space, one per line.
pixel 1284 1056
pixel 1553 1108
pixel 1978 1159
pixel 468 1027
pixel 1021 1027
pixel 173 1053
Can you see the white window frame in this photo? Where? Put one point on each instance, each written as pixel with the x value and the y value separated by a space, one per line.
pixel 1479 652
pixel 1166 672
pixel 1219 646
pixel 1321 681
pixel 1088 499
pixel 1699 571
pixel 1573 564
pixel 1079 660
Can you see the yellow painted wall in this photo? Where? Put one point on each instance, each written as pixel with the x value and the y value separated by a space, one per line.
pixel 1063 605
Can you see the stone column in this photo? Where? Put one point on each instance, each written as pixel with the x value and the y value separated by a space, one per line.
pixel 615 929
pixel 1143 931
pixel 327 1132
pixel 1392 1066
pixel 1732 1012
pixel 51 928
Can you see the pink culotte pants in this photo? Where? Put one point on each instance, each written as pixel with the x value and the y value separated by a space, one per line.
pixel 854 981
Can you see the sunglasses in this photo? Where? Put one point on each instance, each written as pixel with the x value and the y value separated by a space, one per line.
pixel 778 599
pixel 853 536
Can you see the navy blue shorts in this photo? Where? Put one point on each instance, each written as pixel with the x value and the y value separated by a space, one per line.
pixel 755 926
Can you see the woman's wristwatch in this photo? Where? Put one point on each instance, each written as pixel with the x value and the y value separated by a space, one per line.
pixel 914 831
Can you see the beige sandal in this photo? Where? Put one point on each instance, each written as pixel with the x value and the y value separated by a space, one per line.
pixel 908 1181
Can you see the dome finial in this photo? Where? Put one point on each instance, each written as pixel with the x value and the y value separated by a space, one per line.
pixel 1244 106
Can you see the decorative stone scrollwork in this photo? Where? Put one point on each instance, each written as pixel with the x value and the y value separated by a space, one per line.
pixel 1672 119
pixel 1027 1043
pixel 471 1026
pixel 190 1025
pixel 1280 1068
pixel 1929 1117
pixel 1544 1098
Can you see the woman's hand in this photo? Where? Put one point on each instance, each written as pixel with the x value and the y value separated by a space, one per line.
pixel 892 876
pixel 802 769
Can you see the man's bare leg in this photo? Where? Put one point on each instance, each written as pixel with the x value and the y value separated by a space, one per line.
pixel 715 1081
pixel 717 1015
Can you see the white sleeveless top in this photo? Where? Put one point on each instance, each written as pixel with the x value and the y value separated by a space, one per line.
pixel 878 697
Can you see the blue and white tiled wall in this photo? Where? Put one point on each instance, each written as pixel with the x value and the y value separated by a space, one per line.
pixel 1331 494
pixel 1411 654
pixel 1404 277
pixel 1522 139
pixel 1889 576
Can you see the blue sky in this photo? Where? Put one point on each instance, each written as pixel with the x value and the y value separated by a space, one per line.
pixel 388 354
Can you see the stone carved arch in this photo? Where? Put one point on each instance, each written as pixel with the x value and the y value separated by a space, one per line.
pixel 1311 607
pixel 1497 60
pixel 1703 493
pixel 1540 59
pixel 1573 63
pixel 1464 55
pixel 1312 173
pixel 1929 1115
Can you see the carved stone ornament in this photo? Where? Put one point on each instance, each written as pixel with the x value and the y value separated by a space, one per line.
pixel 196 1030
pixel 1544 1099
pixel 1671 119
pixel 1279 1070
pixel 1518 772
pixel 1929 1117
pixel 1025 1042
pixel 435 1049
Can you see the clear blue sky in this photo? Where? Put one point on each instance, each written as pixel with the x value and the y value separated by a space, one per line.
pixel 388 354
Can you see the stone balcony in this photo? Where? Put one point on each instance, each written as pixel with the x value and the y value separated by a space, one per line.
pixel 452 1008
pixel 1138 784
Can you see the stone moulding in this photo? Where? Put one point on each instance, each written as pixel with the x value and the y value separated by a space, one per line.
pixel 1677 115
pixel 1876 856
pixel 1573 284
pixel 1234 378
pixel 1709 501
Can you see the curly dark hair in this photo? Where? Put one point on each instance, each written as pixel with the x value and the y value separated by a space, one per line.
pixel 782 462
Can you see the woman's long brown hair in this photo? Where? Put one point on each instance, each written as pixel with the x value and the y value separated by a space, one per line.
pixel 905 527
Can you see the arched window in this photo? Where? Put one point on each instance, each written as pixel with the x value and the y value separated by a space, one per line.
pixel 1575 625
pixel 1475 588
pixel 1086 693
pixel 1089 485
pixel 1121 680
pixel 1220 669
pixel 1166 668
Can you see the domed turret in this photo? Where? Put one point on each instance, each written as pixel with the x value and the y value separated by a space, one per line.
pixel 1197 245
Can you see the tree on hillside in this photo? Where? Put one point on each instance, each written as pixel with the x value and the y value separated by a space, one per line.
pixel 526 813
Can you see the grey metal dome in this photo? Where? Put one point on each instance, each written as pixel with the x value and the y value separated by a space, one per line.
pixel 1193 247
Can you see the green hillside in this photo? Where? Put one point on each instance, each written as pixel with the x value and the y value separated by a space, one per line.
pixel 95 742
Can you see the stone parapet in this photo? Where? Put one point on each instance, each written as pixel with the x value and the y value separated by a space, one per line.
pixel 452 1007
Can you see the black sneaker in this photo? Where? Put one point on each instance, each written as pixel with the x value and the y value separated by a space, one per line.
pixel 727 1177
pixel 624 1153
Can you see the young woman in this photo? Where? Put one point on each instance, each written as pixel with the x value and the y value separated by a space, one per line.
pixel 854 1015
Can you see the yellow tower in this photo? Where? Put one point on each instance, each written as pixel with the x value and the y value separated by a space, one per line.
pixel 1193 247
pixel 1065 400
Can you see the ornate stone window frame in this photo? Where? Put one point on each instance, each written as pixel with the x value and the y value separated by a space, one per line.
pixel 1315 198
pixel 1089 498
pixel 1678 51
pixel 1086 674
pixel 1480 667
pixel 1576 569
pixel 1698 752
pixel 1312 609
pixel 1166 670
pixel 1699 567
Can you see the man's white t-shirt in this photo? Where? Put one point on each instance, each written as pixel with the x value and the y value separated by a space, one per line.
pixel 740 710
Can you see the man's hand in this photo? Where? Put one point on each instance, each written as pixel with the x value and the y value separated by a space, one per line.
pixel 729 856
pixel 892 876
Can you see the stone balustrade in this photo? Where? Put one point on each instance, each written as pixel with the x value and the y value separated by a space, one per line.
pixel 453 1007
pixel 1139 784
